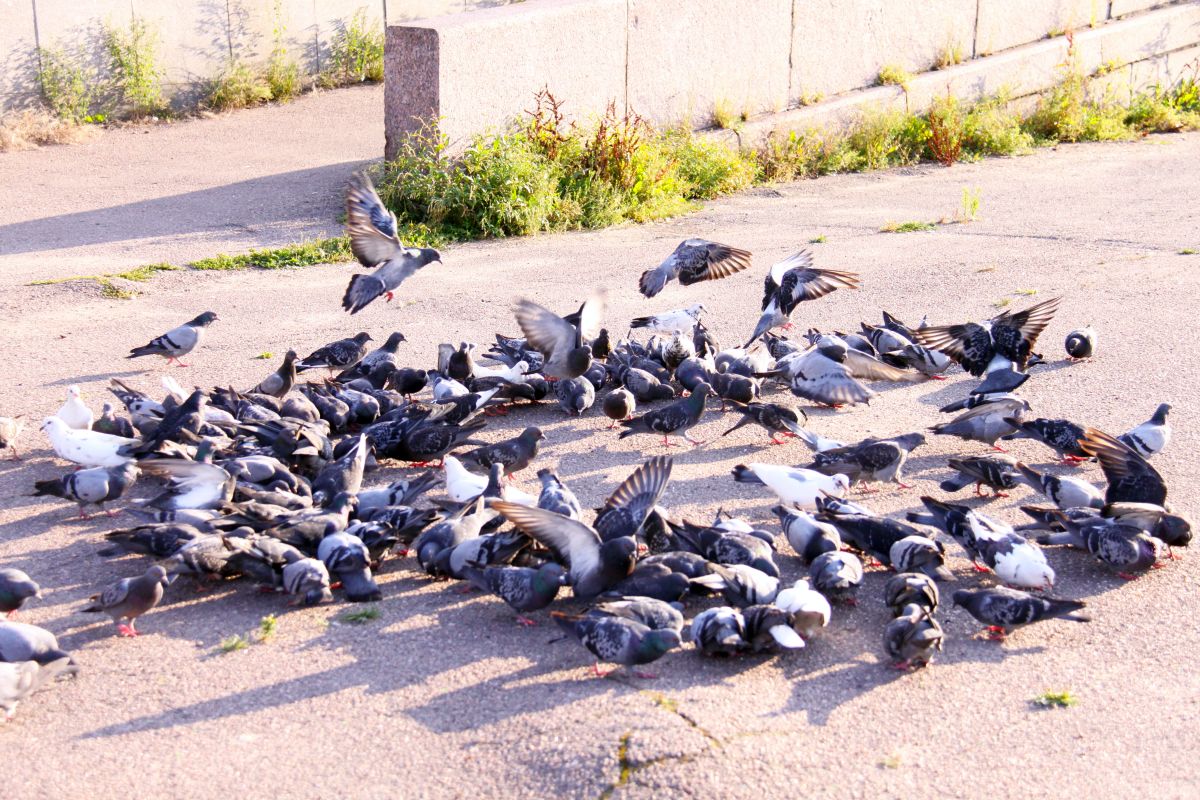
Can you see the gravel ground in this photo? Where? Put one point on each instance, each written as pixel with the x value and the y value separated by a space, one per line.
pixel 443 696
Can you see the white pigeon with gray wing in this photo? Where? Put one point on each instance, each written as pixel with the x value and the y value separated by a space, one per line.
pixel 1151 436
pixel 792 281
pixel 177 342
pixel 680 320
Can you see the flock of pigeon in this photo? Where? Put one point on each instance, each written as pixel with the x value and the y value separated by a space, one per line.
pixel 269 483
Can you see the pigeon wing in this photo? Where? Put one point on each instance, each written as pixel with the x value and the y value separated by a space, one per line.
pixel 545 331
pixel 702 260
pixel 574 542
pixel 970 344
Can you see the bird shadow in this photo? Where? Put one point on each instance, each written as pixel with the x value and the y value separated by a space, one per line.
pixel 97 377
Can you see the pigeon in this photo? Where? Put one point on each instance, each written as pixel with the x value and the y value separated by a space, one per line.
pixel 1130 477
pixel 626 510
pixel 646 388
pixel 281 381
pixel 678 417
pixel 556 496
pixel 343 475
pixel 575 395
pixel 1171 529
pixel 592 565
pixel 1064 492
pixel 657 615
pixel 1059 434
pixel 95 486
pixel 617 640
pixel 818 443
pixel 177 342
pixel 729 547
pixel 10 429
pixel 911 588
pixel 794 487
pixel 837 575
pixel 1149 438
pixel 619 405
pixel 807 535
pixel 1003 609
pixel 307 581
pixel 408 381
pixel 809 609
pixel 694 260
pixel 522 588
pixel 778 419
pixel 1124 548
pixel 113 425
pixel 997 472
pixel 20 641
pixel 829 373
pixel 681 320
pixel 1001 376
pixel 346 556
pixel 88 448
pixel 768 628
pixel 719 631
pixel 373 239
pixel 513 454
pixel 129 598
pixel 75 412
pixel 15 588
pixel 791 282
pixel 1012 335
pixel 564 346
pixel 1081 343
pixel 654 579
pixel 985 420
pixel 740 584
pixel 160 540
pixel 870 460
pixel 336 355
pixel 917 553
pixel 20 680
pixel 192 484
pixel 1014 560
pixel 912 637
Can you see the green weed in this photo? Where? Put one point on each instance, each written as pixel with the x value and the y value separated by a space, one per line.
pixel 114 292
pixel 238 86
pixel 894 75
pixel 361 616
pixel 907 227
pixel 969 206
pixel 319 251
pixel 144 273
pixel 1187 251
pixel 282 73
pixel 951 55
pixel 356 53
pixel 66 85
pixel 135 79
pixel 946 127
pixel 265 356
pixel 818 239
pixel 231 644
pixel 1063 699
pixel 267 626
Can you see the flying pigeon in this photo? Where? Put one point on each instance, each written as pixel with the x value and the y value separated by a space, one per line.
pixel 681 320
pixel 1149 438
pixel 1064 492
pixel 95 486
pixel 678 417
pixel 1003 609
pixel 15 588
pixel 177 342
pixel 912 637
pixel 191 484
pixel 694 260
pixel 627 508
pixel 1012 335
pixel 794 487
pixel 617 640
pixel 374 241
pixel 336 355
pixel 911 588
pixel 592 565
pixel 829 373
pixel 1081 343
pixel 870 460
pixel 1130 477
pixel 791 282
pixel 129 598
pixel 88 448
pixel 75 412
pixel 565 346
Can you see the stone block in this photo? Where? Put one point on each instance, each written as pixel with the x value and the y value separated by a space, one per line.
pixel 479 71
pixel 839 45
pixel 1122 7
pixel 1145 35
pixel 1009 23
pixel 687 56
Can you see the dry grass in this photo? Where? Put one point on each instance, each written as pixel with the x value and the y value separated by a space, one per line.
pixel 23 130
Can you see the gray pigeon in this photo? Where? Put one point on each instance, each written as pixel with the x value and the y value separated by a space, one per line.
pixel 1130 477
pixel 113 425
pixel 719 631
pixel 177 342
pixel 1061 435
pixel 870 460
pixel 129 598
pixel 912 637
pixel 95 486
pixel 808 536
pixel 1151 436
pixel 1003 609
pixel 619 405
pixel 522 588
pixel 566 347
pixel 998 473
pixel 372 231
pixel 645 386
pixel 513 455
pixel 829 373
pixel 337 355
pixel 593 566
pixel 985 420
pixel 343 475
pixel 740 584
pixel 575 395
pixel 657 615
pixel 196 484
pixel 15 588
pixel 908 588
pixel 347 557
pixel 307 580
pixel 556 496
pixel 1011 335
pixel 694 260
pixel 626 510
pixel 617 640
pixel 1064 492
pixel 1124 548
pixel 281 381
pixel 18 681
pixel 1081 343
pixel 776 418
pixel 837 575
pixel 23 642
pixel 678 417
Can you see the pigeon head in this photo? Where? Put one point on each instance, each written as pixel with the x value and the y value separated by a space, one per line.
pixel 1040 575
pixel 1160 413
pixel 53 426
pixel 73 391
pixel 204 319
pixel 363 338
pixel 343 501
pixel 157 574
pixel 695 310
pixel 842 482
pixel 910 441
pixel 427 255
pixel 655 644
pixel 549 577
pixel 1174 530
pixel 289 357
pixel 394 341
pixel 532 434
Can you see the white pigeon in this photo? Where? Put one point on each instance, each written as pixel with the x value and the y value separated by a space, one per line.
pixel 1014 560
pixel 794 486
pixel 808 607
pixel 89 448
pixel 680 320
pixel 514 374
pixel 1064 491
pixel 18 681
pixel 447 389
pixel 791 282
pixel 75 412
pixel 1151 436
pixel 816 442
pixel 463 486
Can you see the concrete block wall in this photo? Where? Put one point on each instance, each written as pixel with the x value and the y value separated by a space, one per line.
pixel 196 38
pixel 676 61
